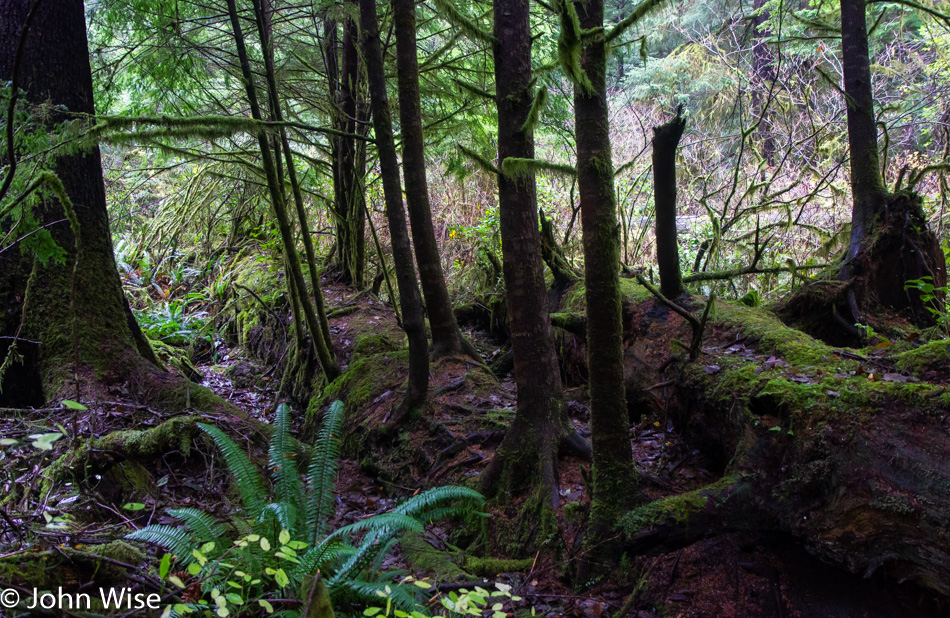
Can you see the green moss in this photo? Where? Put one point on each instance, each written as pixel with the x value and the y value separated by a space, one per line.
pixel 424 558
pixel 174 358
pixel 928 353
pixel 678 508
pixel 771 335
pixel 491 567
pixel 174 434
pixel 376 343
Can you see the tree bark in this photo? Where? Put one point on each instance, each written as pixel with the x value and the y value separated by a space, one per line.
pixel 666 139
pixel 410 300
pixel 527 457
pixel 764 70
pixel 446 338
pixel 349 190
pixel 614 475
pixel 263 13
pixel 109 344
pixel 867 184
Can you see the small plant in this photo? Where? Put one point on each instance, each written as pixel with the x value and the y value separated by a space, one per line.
pixel 475 602
pixel 271 549
pixel 934 300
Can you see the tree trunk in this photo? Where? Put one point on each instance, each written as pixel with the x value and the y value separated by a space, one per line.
pixel 527 457
pixel 666 139
pixel 446 337
pixel 349 192
pixel 94 313
pixel 614 476
pixel 764 70
pixel 867 184
pixel 410 300
pixel 330 368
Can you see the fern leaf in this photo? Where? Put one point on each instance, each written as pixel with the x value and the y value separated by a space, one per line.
pixel 284 513
pixel 202 525
pixel 418 505
pixel 283 465
pixel 174 540
pixel 242 470
pixel 320 558
pixel 385 523
pixel 322 472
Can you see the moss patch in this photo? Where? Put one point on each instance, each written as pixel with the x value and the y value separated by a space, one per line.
pixel 424 558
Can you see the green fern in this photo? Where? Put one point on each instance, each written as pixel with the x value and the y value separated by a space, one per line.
pixel 322 472
pixel 287 485
pixel 203 526
pixel 174 540
pixel 242 470
pixel 346 566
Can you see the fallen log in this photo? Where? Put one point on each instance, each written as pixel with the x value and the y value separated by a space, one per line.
pixel 850 457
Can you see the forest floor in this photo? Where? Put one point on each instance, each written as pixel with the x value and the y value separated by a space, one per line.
pixel 737 574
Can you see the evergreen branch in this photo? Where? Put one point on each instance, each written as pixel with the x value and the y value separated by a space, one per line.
pixel 515 167
pixel 473 89
pixel 481 161
pixel 282 463
pixel 643 9
pixel 914 5
pixel 463 22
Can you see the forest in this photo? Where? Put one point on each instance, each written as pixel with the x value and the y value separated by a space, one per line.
pixel 607 308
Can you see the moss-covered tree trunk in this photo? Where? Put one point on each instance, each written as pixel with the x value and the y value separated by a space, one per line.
pixel 94 314
pixel 890 242
pixel 446 337
pixel 666 139
pixel 527 457
pixel 410 300
pixel 348 187
pixel 614 476
pixel 867 183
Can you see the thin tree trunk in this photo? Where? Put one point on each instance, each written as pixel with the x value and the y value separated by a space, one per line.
pixel 330 368
pixel 666 139
pixel 351 223
pixel 446 337
pixel 409 296
pixel 867 184
pixel 764 71
pixel 277 114
pixel 614 475
pixel 527 457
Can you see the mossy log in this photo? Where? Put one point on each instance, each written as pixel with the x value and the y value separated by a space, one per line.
pixel 69 567
pixel 846 450
pixel 99 454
